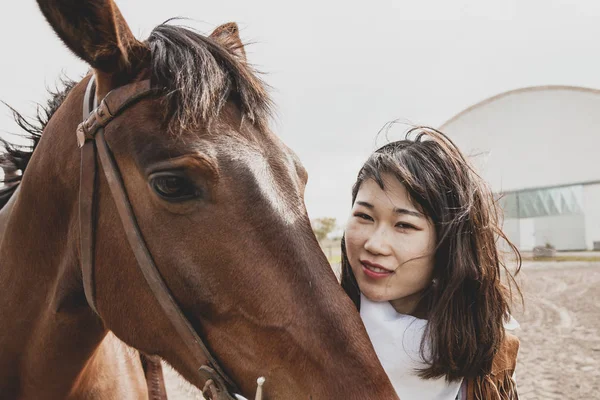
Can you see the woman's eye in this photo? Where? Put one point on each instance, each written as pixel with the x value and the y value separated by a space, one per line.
pixel 173 187
pixel 363 216
pixel 402 225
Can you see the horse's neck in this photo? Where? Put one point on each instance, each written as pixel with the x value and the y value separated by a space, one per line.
pixel 53 346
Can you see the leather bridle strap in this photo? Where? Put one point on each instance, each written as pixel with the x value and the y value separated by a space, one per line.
pixel 90 136
pixel 87 183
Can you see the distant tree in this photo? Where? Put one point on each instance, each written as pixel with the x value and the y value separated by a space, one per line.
pixel 323 227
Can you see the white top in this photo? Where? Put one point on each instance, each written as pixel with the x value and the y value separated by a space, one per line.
pixel 397 342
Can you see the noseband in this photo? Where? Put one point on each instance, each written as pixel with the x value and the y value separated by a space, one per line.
pixel 90 137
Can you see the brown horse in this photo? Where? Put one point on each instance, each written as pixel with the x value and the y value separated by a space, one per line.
pixel 218 200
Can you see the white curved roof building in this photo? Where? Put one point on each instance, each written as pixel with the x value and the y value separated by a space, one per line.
pixel 540 147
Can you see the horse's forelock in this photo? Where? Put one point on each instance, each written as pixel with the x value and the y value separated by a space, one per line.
pixel 200 76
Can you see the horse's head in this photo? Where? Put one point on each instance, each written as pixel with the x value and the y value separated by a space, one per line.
pixel 219 201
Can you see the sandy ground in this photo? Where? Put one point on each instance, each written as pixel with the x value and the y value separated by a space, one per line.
pixel 560 334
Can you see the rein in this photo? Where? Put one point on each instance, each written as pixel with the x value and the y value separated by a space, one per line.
pixel 90 138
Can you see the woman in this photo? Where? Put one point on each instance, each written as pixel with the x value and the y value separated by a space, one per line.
pixel 420 260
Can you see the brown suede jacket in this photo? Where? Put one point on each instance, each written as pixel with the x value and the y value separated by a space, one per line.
pixel 500 383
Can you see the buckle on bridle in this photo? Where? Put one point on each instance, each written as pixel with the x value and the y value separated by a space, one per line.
pixel 98 118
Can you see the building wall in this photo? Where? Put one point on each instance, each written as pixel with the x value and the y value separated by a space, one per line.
pixel 591 204
pixel 527 234
pixel 512 232
pixel 565 232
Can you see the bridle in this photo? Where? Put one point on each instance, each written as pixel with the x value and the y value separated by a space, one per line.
pixel 90 137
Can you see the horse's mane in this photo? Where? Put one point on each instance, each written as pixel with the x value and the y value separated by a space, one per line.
pixel 15 157
pixel 199 77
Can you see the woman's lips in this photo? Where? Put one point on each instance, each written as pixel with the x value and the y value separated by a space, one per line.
pixel 375 270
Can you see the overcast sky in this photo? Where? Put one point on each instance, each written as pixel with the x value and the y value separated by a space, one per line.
pixel 341 69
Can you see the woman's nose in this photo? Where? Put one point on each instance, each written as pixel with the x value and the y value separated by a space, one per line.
pixel 378 242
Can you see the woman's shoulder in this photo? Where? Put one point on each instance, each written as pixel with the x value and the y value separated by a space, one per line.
pixel 500 384
pixel 506 357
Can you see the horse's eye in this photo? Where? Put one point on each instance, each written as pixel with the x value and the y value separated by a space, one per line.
pixel 173 186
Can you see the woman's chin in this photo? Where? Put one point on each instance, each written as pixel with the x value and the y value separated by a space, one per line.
pixel 375 295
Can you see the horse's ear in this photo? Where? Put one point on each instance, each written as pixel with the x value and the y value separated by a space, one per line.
pixel 228 36
pixel 96 31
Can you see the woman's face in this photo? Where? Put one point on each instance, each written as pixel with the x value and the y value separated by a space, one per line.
pixel 390 245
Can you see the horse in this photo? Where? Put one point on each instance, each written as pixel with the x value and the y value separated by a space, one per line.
pixel 167 220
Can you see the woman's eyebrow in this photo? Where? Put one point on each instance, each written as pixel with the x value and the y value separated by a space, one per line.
pixel 402 211
pixel 365 204
pixel 408 212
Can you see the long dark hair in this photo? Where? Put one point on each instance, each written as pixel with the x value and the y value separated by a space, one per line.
pixel 467 306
